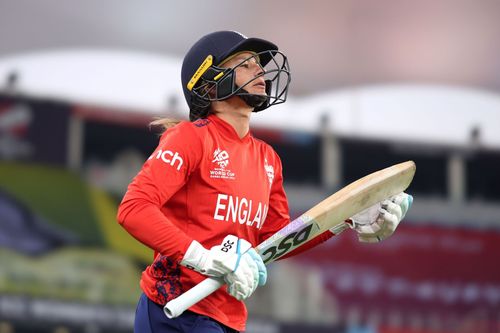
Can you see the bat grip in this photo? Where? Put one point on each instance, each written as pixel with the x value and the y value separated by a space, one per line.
pixel 177 306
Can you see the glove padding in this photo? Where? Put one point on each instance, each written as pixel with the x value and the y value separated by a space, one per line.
pixel 216 262
pixel 248 275
pixel 235 260
pixel 378 222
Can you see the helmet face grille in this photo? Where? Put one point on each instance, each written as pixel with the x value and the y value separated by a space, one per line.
pixel 213 86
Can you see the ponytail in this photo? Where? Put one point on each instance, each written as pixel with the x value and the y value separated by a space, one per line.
pixel 162 124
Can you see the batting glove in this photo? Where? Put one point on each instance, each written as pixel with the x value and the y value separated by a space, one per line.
pixel 381 220
pixel 235 260
pixel 260 265
pixel 248 275
pixel 216 262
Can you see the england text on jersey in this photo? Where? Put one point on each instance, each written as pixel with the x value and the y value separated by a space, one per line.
pixel 240 210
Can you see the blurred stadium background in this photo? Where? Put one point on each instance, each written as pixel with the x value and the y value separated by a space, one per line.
pixel 374 83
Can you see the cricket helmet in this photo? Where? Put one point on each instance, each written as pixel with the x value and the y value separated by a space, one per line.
pixel 204 81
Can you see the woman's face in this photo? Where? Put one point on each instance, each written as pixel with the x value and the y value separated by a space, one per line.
pixel 247 71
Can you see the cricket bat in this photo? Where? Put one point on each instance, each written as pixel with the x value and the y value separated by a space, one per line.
pixel 329 214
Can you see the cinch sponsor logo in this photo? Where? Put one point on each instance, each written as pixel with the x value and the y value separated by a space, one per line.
pixel 240 210
pixel 168 157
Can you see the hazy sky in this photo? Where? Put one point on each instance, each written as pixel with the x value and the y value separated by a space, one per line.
pixel 330 44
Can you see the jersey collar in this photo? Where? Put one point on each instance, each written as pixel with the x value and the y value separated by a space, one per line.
pixel 227 129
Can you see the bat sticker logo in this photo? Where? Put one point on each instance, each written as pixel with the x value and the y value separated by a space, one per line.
pixel 290 242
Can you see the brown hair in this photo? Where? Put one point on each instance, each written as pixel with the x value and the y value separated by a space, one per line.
pixel 160 125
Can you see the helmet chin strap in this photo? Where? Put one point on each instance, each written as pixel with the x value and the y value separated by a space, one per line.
pixel 253 101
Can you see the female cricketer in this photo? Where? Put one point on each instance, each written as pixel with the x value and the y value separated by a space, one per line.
pixel 210 189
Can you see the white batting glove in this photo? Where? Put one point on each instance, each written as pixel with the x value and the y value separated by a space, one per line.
pixel 244 280
pixel 216 262
pixel 248 275
pixel 378 222
pixel 235 260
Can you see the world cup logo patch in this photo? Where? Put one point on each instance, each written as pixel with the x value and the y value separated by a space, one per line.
pixel 221 158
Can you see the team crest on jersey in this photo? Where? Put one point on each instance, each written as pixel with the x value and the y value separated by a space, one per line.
pixel 221 162
pixel 269 171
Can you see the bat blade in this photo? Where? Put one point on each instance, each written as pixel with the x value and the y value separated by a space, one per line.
pixel 334 210
pixel 330 213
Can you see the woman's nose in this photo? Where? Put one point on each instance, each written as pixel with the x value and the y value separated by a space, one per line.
pixel 259 69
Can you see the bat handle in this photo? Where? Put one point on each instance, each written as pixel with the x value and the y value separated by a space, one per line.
pixel 177 306
pixel 340 228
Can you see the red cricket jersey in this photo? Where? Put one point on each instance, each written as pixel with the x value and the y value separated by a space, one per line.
pixel 203 182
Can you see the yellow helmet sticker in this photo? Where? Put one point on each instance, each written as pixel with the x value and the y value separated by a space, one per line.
pixel 200 71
